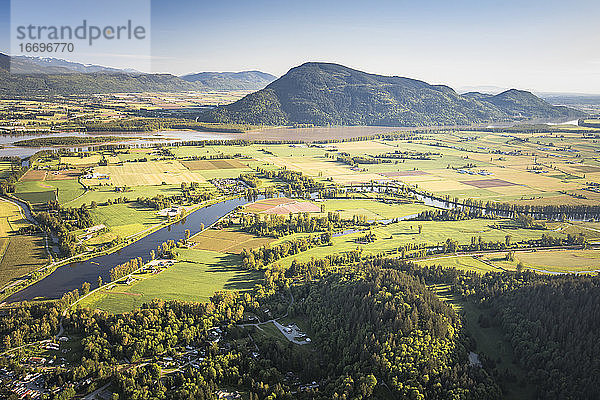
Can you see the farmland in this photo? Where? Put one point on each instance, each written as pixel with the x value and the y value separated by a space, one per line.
pixel 195 277
pixel 302 212
pixel 127 188
pixel 227 241
pixel 19 254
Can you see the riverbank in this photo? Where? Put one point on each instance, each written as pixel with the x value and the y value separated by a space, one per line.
pixel 48 269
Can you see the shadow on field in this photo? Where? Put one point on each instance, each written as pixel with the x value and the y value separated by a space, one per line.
pixel 243 280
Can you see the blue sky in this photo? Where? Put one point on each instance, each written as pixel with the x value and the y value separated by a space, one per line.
pixel 538 45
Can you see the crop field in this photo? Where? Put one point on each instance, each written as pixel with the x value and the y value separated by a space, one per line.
pixel 88 160
pixel 195 277
pixel 33 175
pixel 145 173
pixel 65 174
pixel 282 206
pixel 19 254
pixel 213 164
pixel 227 240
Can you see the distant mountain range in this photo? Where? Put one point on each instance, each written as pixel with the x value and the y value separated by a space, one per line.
pixel 52 76
pixel 332 94
pixel 245 80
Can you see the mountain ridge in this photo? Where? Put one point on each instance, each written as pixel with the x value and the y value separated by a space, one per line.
pixel 243 80
pixel 52 76
pixel 332 94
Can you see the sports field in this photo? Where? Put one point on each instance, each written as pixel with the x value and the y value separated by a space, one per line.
pixel 195 277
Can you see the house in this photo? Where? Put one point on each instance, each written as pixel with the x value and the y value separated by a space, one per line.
pixel 223 394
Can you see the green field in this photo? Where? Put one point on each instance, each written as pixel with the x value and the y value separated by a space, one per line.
pixel 463 263
pixel 390 237
pixel 19 254
pixel 195 277
pixel 126 219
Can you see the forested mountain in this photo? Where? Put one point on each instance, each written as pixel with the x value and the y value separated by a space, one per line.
pixel 323 94
pixel 35 76
pixel 245 80
pixel 27 64
pixel 67 82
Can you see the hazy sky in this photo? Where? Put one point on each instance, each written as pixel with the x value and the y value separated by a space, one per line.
pixel 542 45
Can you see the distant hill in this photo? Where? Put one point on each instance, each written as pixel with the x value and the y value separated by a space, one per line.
pixel 331 94
pixel 65 79
pixel 32 65
pixel 245 80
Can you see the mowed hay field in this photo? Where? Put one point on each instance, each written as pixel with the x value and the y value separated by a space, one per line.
pixel 561 261
pixel 195 277
pixel 145 173
pixel 227 240
pixel 88 160
pixel 19 254
pixel 213 164
pixel 282 206
pixel 464 263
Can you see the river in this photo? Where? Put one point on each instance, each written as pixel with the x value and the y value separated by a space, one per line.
pixel 135 139
pixel 72 276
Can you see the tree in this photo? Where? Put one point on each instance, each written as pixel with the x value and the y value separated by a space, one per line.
pixel 99 281
pixel 520 267
pixel 187 235
pixel 85 288
pixel 420 229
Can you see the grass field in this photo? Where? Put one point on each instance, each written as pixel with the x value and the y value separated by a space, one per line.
pixel 213 164
pixel 19 254
pixel 227 240
pixel 561 261
pixel 145 173
pixel 126 219
pixel 464 263
pixel 390 237
pixel 101 194
pixel 88 160
pixel 195 277
pixel 282 206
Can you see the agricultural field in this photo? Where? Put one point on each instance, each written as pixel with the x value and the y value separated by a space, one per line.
pixel 19 254
pixel 227 240
pixel 151 173
pixel 282 206
pixel 195 277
